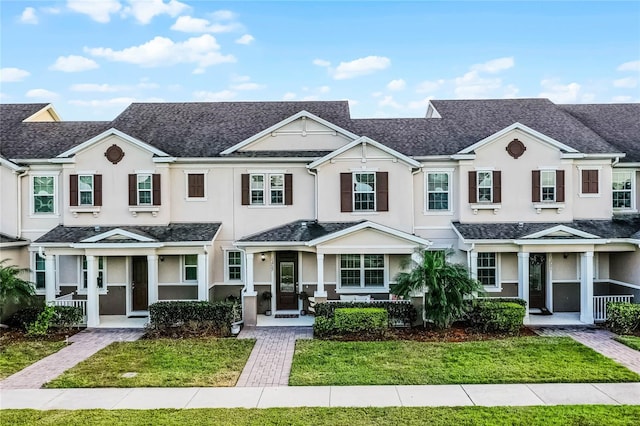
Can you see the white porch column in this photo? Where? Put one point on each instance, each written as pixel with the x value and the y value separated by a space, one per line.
pixel 50 278
pixel 473 267
pixel 203 286
pixel 249 266
pixel 523 281
pixel 152 278
pixel 93 304
pixel 250 296
pixel 320 291
pixel 586 287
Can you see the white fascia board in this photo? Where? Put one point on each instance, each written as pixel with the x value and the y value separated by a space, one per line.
pixel 15 244
pixel 436 114
pixel 522 127
pixel 267 243
pixel 283 123
pixel 625 165
pixel 553 242
pixel 117 231
pixel 113 132
pixel 372 225
pixel 232 160
pixel 115 245
pixel 463 157
pixel 365 140
pixel 561 228
pixel 164 159
pixel 49 108
pixel 11 165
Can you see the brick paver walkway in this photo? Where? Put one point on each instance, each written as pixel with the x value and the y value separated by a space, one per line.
pixel 600 341
pixel 270 361
pixel 85 344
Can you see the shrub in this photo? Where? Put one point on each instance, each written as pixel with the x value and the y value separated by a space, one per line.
pixel 197 317
pixel 23 317
pixel 623 317
pixel 501 317
pixel 67 316
pixel 399 313
pixel 323 327
pixel 41 325
pixel 361 320
pixel 63 317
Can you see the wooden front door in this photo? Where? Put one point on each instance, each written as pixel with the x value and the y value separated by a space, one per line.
pixel 139 284
pixel 537 280
pixel 286 280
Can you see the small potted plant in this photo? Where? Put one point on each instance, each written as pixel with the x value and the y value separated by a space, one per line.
pixel 304 296
pixel 267 296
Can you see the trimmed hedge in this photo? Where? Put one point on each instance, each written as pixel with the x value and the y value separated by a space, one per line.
pixel 398 313
pixel 197 317
pixel 360 320
pixel 623 317
pixel 64 317
pixel 500 317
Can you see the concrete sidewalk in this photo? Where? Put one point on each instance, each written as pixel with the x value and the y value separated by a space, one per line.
pixel 324 396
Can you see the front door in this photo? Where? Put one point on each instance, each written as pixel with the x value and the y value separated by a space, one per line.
pixel 139 285
pixel 286 280
pixel 537 280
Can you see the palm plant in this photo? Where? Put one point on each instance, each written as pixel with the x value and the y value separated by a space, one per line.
pixel 14 289
pixel 445 287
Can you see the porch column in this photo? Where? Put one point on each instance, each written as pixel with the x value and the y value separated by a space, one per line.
pixel 250 295
pixel 50 278
pixel 473 258
pixel 320 291
pixel 586 287
pixel 203 287
pixel 523 281
pixel 152 278
pixel 93 304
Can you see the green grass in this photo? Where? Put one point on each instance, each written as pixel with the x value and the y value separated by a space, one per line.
pixel 161 363
pixel 548 416
pixel 632 341
pixel 16 355
pixel 515 360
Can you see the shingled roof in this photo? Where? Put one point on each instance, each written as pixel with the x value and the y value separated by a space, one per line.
pixel 300 231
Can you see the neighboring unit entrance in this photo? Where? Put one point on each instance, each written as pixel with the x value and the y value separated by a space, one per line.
pixel 286 280
pixel 537 280
pixel 139 284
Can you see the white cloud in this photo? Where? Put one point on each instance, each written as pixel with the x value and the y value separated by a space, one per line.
pixel 494 65
pixel 187 24
pixel 629 66
pixel 41 94
pixel 50 10
pixel 73 63
pixel 473 86
pixel 245 39
pixel 429 86
pixel 399 84
pixel 13 75
pixel 92 87
pixel 377 94
pixel 511 91
pixel 161 51
pixel 359 67
pixel 390 102
pixel 98 10
pixel 145 11
pixel 324 89
pixel 198 70
pixel 626 83
pixel 248 86
pixel 29 16
pixel 289 96
pixel 223 15
pixel 101 103
pixel 321 63
pixel 240 78
pixel 560 93
pixel 622 98
pixel 224 95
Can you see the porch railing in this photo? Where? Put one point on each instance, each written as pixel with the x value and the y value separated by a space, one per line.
pixel 600 305
pixel 68 301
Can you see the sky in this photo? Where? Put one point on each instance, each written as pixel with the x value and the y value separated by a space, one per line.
pixel 91 59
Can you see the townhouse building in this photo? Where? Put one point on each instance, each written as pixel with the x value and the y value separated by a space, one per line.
pixel 201 201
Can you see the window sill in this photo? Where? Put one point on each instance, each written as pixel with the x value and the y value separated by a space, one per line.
pixel 486 206
pixel 541 206
pixel 101 292
pixel 355 290
pixel 492 289
pixel 596 195
pixel 201 199
pixel 44 215
pixel 147 209
pixel 89 209
pixel 267 206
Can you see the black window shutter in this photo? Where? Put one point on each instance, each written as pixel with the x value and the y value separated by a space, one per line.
pixel 97 190
pixel 560 186
pixel 473 192
pixel 346 197
pixel 133 190
pixel 382 191
pixel 73 190
pixel 157 190
pixel 288 189
pixel 535 186
pixel 497 187
pixel 245 189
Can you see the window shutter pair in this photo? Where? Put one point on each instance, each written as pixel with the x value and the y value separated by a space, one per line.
pixel 589 181
pixel 536 186
pixel 496 180
pixel 246 190
pixel 382 192
pixel 196 185
pixel 155 186
pixel 74 192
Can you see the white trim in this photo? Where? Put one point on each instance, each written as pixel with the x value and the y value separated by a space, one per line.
pixel 518 126
pixel 186 183
pixel 226 278
pixel 560 228
pixel 580 170
pixel 48 108
pixel 115 245
pixel 632 208
pixel 283 123
pixel 117 231
pixel 11 165
pixel 362 288
pixel 616 282
pixel 371 225
pixel 183 270
pixel 112 132
pixel 56 198
pixel 435 212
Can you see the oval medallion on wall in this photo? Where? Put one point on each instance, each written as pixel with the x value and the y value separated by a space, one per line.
pixel 114 154
pixel 516 148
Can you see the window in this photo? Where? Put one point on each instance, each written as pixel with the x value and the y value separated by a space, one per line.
pixel 40 272
pixel 44 189
pixel 590 182
pixel 485 187
pixel 622 189
pixel 144 189
pixel 438 195
pixel 262 189
pixel 276 189
pixel 85 190
pixel 257 189
pixel 487 269
pixel 195 185
pixel 234 265
pixel 361 270
pixel 364 192
pixel 190 267
pixel 100 272
pixel 548 185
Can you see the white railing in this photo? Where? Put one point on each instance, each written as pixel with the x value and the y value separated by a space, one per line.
pixel 600 305
pixel 67 301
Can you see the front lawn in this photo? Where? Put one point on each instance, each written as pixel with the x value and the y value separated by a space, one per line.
pixel 514 360
pixel 632 341
pixel 161 363
pixel 18 354
pixel 539 415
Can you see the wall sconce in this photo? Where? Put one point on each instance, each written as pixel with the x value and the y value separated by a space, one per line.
pixel 262 257
pixel 565 255
pixel 161 258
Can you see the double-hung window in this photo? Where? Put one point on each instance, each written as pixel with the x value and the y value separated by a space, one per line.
pixel 276 189
pixel 100 272
pixel 257 189
pixel 144 188
pixel 190 265
pixel 85 190
pixel 487 269
pixel 234 265
pixel 438 191
pixel 364 191
pixel 362 271
pixel 485 187
pixel 40 273
pixel 44 194
pixel 267 189
pixel 548 185
pixel 622 184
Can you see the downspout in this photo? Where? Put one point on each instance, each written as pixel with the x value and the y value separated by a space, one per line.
pixel 19 187
pixel 315 197
pixel 616 161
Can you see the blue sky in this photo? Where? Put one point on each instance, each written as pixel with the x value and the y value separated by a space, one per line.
pixel 93 58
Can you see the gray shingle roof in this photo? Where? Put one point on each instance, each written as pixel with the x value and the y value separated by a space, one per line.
pixel 174 232
pixel 11 114
pixel 5 239
pixel 299 231
pixel 619 124
pixel 618 227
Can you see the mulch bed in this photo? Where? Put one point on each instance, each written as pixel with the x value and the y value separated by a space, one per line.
pixel 10 335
